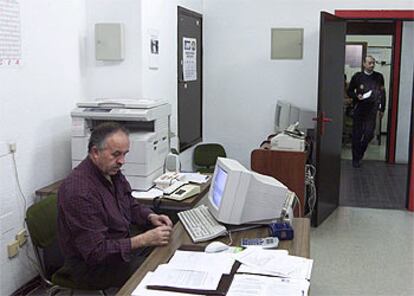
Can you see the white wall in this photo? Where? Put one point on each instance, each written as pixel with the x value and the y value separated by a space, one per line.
pixel 36 99
pixel 132 77
pixel 121 79
pixel 405 95
pixel 242 84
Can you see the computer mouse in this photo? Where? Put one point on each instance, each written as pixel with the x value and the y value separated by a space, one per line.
pixel 214 247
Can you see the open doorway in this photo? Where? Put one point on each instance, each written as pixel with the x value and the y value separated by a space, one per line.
pixel 379 182
pixel 332 41
pixel 358 47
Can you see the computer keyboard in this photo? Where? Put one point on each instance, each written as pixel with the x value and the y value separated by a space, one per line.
pixel 200 224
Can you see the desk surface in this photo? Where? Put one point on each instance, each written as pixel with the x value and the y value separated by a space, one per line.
pixel 299 246
pixel 169 204
pixel 49 189
pixel 163 204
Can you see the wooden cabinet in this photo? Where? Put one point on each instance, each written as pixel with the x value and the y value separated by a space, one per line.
pixel 288 167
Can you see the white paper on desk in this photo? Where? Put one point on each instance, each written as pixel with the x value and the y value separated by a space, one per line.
pixel 168 276
pixel 302 271
pixel 366 95
pixel 141 289
pixel 259 257
pixel 256 270
pixel 276 264
pixel 254 285
pixel 194 178
pixel 210 262
pixel 150 194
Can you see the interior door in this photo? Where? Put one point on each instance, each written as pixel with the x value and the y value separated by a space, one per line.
pixel 189 72
pixel 329 120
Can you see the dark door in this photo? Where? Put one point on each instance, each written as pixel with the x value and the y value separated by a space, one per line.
pixel 189 67
pixel 330 106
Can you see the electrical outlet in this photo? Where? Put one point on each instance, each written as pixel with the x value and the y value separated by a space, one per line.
pixel 21 237
pixel 12 147
pixel 13 248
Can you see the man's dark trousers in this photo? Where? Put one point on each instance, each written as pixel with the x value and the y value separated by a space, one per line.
pixel 363 130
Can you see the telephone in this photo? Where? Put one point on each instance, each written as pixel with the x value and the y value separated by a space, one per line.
pixel 184 192
pixel 166 180
pixel 175 187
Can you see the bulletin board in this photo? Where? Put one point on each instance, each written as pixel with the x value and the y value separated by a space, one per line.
pixel 382 54
pixel 10 36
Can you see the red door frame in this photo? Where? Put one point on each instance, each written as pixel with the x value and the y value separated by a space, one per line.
pixel 398 16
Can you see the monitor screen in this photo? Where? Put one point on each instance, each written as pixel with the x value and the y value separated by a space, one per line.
pixel 218 186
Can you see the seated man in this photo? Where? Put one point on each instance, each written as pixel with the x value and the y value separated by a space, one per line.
pixel 95 211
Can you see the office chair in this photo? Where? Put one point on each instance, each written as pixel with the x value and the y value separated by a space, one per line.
pixel 205 156
pixel 41 220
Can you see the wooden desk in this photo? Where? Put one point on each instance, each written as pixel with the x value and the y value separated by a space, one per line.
pixel 172 205
pixel 286 166
pixel 49 189
pixel 299 246
pixel 163 204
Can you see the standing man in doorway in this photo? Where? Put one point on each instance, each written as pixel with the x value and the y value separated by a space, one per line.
pixel 368 93
pixel 95 211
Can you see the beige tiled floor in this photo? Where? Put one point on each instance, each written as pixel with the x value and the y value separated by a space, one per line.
pixel 364 252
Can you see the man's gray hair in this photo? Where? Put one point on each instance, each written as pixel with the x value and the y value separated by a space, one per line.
pixel 103 131
pixel 369 56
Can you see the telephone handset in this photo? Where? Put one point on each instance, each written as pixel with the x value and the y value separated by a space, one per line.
pixel 174 188
pixel 166 180
pixel 169 182
pixel 184 192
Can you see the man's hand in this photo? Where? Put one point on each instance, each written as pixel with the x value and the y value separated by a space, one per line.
pixel 159 236
pixel 360 97
pixel 381 114
pixel 159 220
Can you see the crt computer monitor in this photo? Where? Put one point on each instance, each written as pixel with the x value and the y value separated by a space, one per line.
pixel 287 114
pixel 282 116
pixel 240 196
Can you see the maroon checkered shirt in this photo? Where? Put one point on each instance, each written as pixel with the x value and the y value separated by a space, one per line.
pixel 94 215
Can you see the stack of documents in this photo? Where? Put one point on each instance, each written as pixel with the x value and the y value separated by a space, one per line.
pixel 254 285
pixel 274 263
pixel 262 273
pixel 189 270
pixel 289 275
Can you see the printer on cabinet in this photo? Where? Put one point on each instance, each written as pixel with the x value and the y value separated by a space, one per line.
pixel 148 123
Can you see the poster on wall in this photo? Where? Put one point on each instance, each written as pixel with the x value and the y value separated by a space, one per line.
pixel 189 59
pixel 10 36
pixel 154 49
pixel 382 54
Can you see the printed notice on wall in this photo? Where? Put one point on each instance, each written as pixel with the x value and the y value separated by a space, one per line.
pixel 10 36
pixel 154 49
pixel 189 59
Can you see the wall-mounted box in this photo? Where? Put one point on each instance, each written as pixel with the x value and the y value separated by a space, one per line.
pixel 109 42
pixel 287 44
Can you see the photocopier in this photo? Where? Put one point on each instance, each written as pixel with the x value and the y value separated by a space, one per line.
pixel 148 124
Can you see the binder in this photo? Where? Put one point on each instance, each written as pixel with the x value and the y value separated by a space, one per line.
pixel 222 289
